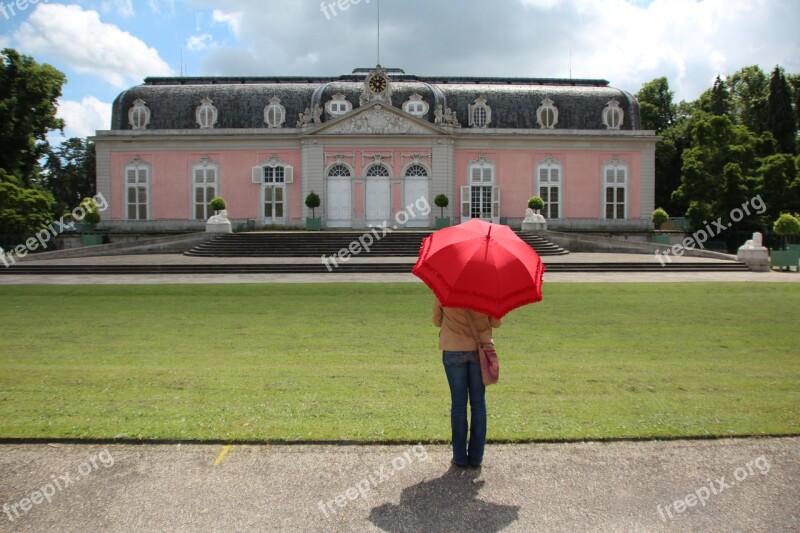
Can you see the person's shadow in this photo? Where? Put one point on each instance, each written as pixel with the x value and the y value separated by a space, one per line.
pixel 449 503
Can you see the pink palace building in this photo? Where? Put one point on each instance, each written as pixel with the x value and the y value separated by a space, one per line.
pixel 371 143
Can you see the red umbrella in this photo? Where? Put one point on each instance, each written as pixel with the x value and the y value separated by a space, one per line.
pixel 480 266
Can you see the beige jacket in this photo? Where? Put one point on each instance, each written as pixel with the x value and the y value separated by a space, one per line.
pixel 455 334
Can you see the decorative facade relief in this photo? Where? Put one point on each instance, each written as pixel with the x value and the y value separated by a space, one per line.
pixel 377 121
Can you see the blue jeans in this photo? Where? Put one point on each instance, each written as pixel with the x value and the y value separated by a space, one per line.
pixel 464 376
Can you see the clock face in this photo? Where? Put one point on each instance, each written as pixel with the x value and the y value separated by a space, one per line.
pixel 377 84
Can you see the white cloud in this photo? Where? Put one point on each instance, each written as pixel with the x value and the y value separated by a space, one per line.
pixel 123 7
pixel 84 118
pixel 628 42
pixel 232 19
pixel 196 43
pixel 87 45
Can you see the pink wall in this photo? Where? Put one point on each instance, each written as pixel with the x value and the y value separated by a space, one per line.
pixel 515 172
pixel 171 182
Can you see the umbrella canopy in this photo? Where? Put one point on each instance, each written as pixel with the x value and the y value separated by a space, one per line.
pixel 480 266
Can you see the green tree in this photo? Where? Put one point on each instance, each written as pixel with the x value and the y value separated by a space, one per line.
pixel 720 104
pixel 779 184
pixel 656 107
pixel 749 88
pixel 69 172
pixel 794 83
pixel 719 170
pixel 22 210
pixel 28 103
pixel 780 115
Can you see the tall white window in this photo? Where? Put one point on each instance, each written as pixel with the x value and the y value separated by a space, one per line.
pixel 205 178
pixel 137 191
pixel 615 180
pixel 549 187
pixel 481 198
pixel 273 176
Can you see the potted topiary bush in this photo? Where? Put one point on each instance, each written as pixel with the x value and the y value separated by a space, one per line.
pixel 441 202
pixel 313 202
pixel 217 204
pixel 659 218
pixel 534 220
pixel 785 226
pixel 535 203
pixel 91 218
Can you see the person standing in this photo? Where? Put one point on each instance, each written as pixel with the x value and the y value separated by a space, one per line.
pixel 463 370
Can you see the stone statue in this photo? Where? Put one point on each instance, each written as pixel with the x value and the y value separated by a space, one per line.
pixel 754 254
pixel 316 114
pixel 533 221
pixel 219 223
pixel 438 115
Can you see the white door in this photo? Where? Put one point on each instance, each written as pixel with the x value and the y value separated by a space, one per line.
pixel 480 201
pixel 416 194
pixel 378 202
pixel 274 203
pixel 340 204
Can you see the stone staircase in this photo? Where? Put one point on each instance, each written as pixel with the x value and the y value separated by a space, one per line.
pixel 317 244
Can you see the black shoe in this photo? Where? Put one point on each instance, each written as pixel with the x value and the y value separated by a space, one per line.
pixel 476 467
pixel 459 465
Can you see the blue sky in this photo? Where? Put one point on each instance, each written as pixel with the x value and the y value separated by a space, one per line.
pixel 105 46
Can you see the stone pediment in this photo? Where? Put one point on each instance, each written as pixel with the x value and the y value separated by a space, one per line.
pixel 377 119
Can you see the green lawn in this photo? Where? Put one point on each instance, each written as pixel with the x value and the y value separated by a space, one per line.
pixel 360 362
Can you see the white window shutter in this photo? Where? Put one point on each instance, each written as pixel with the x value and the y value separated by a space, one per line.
pixel 288 174
pixel 466 202
pixel 496 204
pixel 258 174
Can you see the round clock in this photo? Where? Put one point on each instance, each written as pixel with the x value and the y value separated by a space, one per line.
pixel 377 84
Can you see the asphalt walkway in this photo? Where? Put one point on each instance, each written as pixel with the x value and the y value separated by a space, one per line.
pixel 708 486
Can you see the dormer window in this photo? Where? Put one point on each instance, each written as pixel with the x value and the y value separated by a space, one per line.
pixel 547 115
pixel 274 113
pixel 613 115
pixel 139 115
pixel 338 105
pixel 416 106
pixel 480 114
pixel 206 114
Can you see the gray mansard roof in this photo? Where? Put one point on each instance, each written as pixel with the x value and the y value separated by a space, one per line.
pixel 241 101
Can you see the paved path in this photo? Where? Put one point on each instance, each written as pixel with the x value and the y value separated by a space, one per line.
pixel 335 277
pixel 727 485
